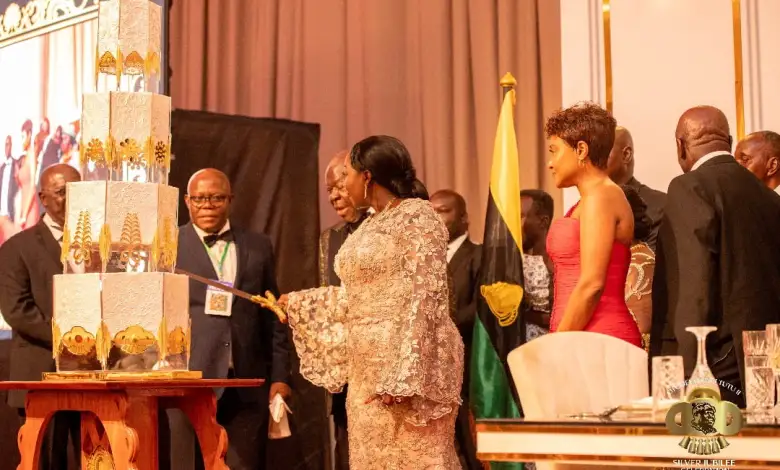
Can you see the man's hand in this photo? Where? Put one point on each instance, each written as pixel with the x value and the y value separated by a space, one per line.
pixel 282 301
pixel 281 388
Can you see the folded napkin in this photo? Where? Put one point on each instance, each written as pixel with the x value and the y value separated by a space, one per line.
pixel 278 425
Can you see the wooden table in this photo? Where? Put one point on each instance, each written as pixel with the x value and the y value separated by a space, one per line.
pixel 119 418
pixel 621 442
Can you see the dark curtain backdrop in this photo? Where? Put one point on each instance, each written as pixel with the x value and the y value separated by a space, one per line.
pixel 272 165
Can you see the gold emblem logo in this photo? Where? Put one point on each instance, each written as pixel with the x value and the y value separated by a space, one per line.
pixel 504 301
pixel 78 341
pixel 704 420
pixel 134 340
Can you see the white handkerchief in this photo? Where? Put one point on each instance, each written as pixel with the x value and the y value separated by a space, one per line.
pixel 278 426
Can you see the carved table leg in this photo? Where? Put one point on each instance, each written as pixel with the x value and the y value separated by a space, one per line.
pixel 31 435
pixel 200 406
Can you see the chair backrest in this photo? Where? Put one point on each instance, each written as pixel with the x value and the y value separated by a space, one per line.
pixel 577 372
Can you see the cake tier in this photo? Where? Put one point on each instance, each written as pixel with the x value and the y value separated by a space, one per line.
pixel 129 40
pixel 113 226
pixel 125 137
pixel 121 322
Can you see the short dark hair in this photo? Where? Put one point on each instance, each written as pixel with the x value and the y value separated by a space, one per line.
pixel 27 126
pixel 772 139
pixel 543 202
pixel 585 122
pixel 459 200
pixel 389 163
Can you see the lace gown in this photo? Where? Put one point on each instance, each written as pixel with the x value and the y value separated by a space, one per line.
pixel 388 331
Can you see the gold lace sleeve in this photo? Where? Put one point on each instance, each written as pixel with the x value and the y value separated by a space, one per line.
pixel 425 360
pixel 317 318
pixel 639 283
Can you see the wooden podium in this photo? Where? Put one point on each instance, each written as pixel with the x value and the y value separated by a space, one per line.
pixel 119 427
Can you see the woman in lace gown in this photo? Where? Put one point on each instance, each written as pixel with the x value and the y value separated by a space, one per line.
pixel 639 282
pixel 387 331
pixel 591 246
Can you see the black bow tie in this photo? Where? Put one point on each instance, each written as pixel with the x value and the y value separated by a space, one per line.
pixel 211 240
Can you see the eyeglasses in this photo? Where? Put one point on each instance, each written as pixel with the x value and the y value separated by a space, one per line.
pixel 216 200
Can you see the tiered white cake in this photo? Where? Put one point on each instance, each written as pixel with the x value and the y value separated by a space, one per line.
pixel 118 308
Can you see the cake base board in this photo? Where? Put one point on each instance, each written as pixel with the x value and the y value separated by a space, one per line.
pixel 124 375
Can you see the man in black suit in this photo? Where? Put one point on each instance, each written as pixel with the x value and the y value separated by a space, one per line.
pixel 718 260
pixel 463 258
pixel 620 168
pixel 331 240
pixel 242 340
pixel 28 262
pixel 8 189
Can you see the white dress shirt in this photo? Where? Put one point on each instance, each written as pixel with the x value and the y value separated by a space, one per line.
pixel 453 246
pixel 216 252
pixel 709 157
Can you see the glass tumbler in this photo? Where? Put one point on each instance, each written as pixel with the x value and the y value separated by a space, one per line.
pixel 668 382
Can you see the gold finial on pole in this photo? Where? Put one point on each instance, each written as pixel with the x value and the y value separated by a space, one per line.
pixel 507 83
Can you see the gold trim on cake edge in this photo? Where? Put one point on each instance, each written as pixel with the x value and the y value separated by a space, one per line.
pixel 123 375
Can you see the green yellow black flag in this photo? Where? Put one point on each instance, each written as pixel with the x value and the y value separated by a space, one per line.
pixel 499 327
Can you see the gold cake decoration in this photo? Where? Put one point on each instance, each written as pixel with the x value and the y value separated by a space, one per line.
pixel 134 63
pixel 65 244
pixel 103 346
pixel 104 245
pixel 165 244
pixel 131 153
pixel 134 340
pixel 178 342
pixel 56 340
pixel 130 242
pixel 78 341
pixel 82 240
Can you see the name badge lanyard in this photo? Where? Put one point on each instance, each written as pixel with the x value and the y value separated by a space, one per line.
pixel 221 261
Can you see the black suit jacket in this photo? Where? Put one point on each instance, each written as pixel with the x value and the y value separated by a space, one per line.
pixel 464 271
pixel 255 336
pixel 13 187
pixel 655 200
pixel 718 264
pixel 331 240
pixel 28 262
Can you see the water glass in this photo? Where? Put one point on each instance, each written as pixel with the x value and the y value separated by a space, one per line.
pixel 754 343
pixel 773 351
pixel 760 384
pixel 668 381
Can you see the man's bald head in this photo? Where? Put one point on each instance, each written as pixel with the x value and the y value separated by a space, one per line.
pixel 620 165
pixel 701 130
pixel 209 174
pixel 54 182
pixel 759 152
pixel 208 199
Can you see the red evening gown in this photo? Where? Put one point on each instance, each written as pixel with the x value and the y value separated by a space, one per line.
pixel 611 316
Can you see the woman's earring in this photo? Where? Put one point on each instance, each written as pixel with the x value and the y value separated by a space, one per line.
pixel 365 192
pixel 581 162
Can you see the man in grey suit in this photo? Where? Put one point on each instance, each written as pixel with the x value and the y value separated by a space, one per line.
pixel 241 340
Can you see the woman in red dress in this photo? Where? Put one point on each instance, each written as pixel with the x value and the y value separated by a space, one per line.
pixel 591 246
